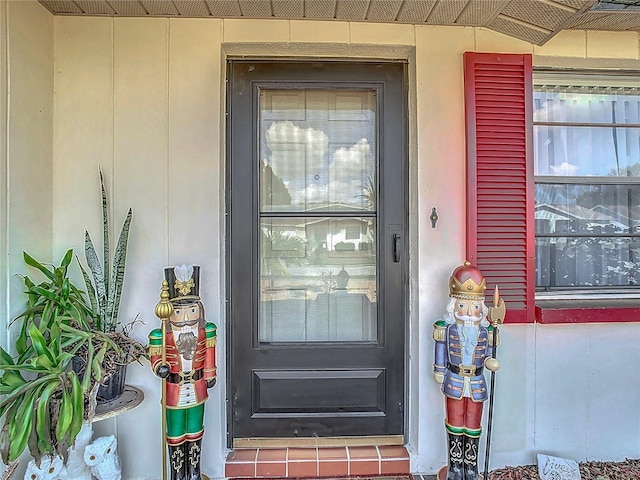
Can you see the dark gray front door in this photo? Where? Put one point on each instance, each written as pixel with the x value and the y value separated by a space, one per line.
pixel 316 235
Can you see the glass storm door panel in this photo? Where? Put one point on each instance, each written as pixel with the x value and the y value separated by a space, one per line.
pixel 317 215
pixel 317 286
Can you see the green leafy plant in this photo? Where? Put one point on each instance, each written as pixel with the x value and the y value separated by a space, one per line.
pixel 52 302
pixel 44 398
pixel 104 286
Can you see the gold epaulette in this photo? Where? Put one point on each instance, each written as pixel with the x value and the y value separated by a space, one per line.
pixel 439 331
pixel 212 342
pixel 155 350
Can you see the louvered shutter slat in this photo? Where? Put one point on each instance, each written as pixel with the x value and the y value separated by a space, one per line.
pixel 498 93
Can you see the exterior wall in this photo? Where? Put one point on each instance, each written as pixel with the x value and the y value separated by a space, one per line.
pixel 137 99
pixel 26 145
pixel 144 99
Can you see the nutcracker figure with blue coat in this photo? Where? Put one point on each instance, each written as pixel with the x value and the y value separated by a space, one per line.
pixel 463 349
pixel 183 353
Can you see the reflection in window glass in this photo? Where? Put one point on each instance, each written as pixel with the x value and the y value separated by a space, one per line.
pixel 318 150
pixel 587 235
pixel 317 285
pixel 585 104
pixel 587 196
pixel 318 158
pixel 586 151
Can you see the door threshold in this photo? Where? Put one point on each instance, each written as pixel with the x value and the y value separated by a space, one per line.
pixel 355 441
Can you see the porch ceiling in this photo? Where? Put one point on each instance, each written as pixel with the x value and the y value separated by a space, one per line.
pixel 534 21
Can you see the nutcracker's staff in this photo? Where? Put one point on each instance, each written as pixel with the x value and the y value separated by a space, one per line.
pixel 163 311
pixel 496 317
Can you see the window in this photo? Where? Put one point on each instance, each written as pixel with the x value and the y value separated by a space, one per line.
pixel 586 130
pixel 501 240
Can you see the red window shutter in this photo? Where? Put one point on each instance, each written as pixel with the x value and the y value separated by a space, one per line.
pixel 500 222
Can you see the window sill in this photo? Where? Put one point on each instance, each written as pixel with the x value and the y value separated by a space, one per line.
pixel 568 311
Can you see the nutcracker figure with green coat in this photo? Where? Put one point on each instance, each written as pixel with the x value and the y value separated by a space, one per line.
pixel 183 353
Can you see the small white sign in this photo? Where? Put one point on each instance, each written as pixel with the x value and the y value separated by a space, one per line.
pixel 556 468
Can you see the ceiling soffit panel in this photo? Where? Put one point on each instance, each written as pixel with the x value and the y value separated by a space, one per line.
pixel 192 8
pixel 62 6
pixel 415 12
pixel 577 4
pixel 480 12
pixel 128 7
pixel 534 21
pixel 95 7
pixel 528 33
pixel 288 8
pixel 627 22
pixel 224 8
pixel 446 12
pixel 352 9
pixel 320 9
pixel 256 8
pixel 606 21
pixel 159 7
pixel 384 10
pixel 538 13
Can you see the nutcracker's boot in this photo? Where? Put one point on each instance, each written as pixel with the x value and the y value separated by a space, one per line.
pixel 193 460
pixel 455 467
pixel 178 461
pixel 471 457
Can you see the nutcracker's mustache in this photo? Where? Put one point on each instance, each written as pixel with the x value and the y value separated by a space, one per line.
pixel 469 318
pixel 186 344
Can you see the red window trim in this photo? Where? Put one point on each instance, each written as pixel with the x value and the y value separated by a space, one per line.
pixel 582 315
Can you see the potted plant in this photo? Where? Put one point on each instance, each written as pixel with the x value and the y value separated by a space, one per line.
pixel 45 400
pixel 104 280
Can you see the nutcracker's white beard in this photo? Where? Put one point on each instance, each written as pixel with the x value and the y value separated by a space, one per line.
pixel 186 344
pixel 468 332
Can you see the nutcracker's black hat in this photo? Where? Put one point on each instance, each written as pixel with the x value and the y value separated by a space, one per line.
pixel 184 283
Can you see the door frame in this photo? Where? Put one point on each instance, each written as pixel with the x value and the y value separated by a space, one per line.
pixel 405 147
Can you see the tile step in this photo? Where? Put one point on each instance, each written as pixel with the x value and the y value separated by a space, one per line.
pixel 317 461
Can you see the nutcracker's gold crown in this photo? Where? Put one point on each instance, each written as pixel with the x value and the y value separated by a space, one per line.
pixel 467 283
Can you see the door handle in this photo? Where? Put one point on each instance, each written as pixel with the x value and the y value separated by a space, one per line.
pixel 397 247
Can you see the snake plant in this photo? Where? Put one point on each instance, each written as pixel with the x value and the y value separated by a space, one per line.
pixel 104 286
pixel 44 399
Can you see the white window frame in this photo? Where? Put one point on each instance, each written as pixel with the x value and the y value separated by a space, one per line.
pixel 594 79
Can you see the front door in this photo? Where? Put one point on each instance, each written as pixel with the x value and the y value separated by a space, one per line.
pixel 316 248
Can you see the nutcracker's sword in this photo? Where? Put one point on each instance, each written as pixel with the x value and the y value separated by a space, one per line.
pixel 163 311
pixel 496 317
